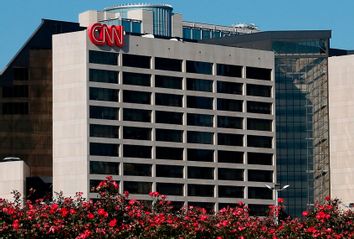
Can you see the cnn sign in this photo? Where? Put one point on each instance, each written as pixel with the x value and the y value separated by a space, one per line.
pixel 101 34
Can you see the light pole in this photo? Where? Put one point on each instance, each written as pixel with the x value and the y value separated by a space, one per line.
pixel 276 188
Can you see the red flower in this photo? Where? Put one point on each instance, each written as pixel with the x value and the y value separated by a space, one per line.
pixel 305 213
pixel 64 212
pixel 113 223
pixel 280 200
pixel 16 224
pixel 327 198
pixel 90 216
pixel 102 212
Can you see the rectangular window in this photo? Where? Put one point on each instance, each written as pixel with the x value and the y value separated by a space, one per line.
pixel 136 27
pixel 101 57
pixel 103 94
pixel 200 173
pixel 137 97
pixel 200 190
pixel 259 107
pixel 169 117
pixel 196 34
pixel 136 115
pixel 258 210
pixel 230 122
pixel 200 120
pixel 259 141
pixel 103 131
pixel 130 78
pixel 108 168
pixel 208 206
pixel 170 82
pixel 230 139
pixel 260 176
pixel 203 155
pixel 169 135
pixel 259 193
pixel 231 192
pixel 258 73
pixel 230 174
pixel 199 67
pixel 228 70
pixel 100 149
pixel 126 25
pixel 187 33
pixel 200 137
pixel 132 169
pixel 259 90
pixel 169 153
pixel 20 74
pixel 137 187
pixel 15 91
pixel 168 171
pixel 18 108
pixel 170 189
pixel 259 124
pixel 230 156
pixel 99 112
pixel 230 105
pixel 136 151
pixel 168 99
pixel 103 76
pixel 168 64
pixel 260 158
pixel 229 88
pixel 199 85
pixel 136 133
pixel 199 102
pixel 136 61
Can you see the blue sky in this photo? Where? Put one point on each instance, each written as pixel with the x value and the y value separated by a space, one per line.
pixel 19 18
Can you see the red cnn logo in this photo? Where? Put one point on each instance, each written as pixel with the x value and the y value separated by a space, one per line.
pixel 101 34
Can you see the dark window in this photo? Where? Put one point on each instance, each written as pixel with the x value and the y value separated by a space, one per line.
pixel 259 107
pixel 230 157
pixel 168 171
pixel 94 184
pixel 199 85
pixel 199 102
pixel 99 112
pixel 168 64
pixel 136 61
pixel 258 210
pixel 168 82
pixel 200 190
pixel 104 131
pixel 136 151
pixel 230 192
pixel 169 117
pixel 260 193
pixel 170 188
pixel 229 88
pixel 137 97
pixel 136 133
pixel 137 169
pixel 18 108
pixel 137 187
pixel 168 99
pixel 230 122
pixel 259 90
pixel 259 141
pixel 108 168
pixel 137 115
pixel 200 120
pixel 169 153
pixel 260 176
pixel 227 205
pixel 259 124
pixel 101 57
pixel 199 67
pixel 230 174
pixel 200 137
pixel 230 139
pixel 230 105
pixel 103 76
pixel 201 173
pixel 15 91
pixel 169 135
pixel 203 155
pixel 136 79
pixel 228 70
pixel 259 158
pixel 20 74
pixel 208 206
pixel 100 149
pixel 103 94
pixel 258 73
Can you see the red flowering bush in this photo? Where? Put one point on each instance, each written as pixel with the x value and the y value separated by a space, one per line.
pixel 117 216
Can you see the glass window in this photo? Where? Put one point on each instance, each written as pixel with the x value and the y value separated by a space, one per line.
pixel 103 131
pixel 229 88
pixel 201 172
pixel 169 171
pixel 259 141
pixel 200 120
pixel 258 73
pixel 200 137
pixel 126 25
pixel 99 149
pixel 103 76
pixel 230 192
pixel 136 27
pixel 20 74
pixel 130 78
pixel 200 190
pixel 230 156
pixel 199 102
pixel 259 90
pixel 208 206
pixel 258 210
pixel 216 34
pixel 259 107
pixel 94 184
pixel 260 158
pixel 169 135
pixel 259 193
pixel 196 34
pixel 136 133
pixel 230 122
pixel 169 153
pixel 99 112
pixel 137 187
pixel 230 174
pixel 230 139
pixel 259 124
pixel 204 155
pixel 136 61
pixel 168 99
pixel 205 34
pixel 169 117
pixel 136 151
pixel 103 94
pixel 168 64
pixel 109 168
pixel 134 169
pixel 101 57
pixel 230 105
pixel 170 82
pixel 187 33
pixel 260 176
pixel 15 91
pixel 136 115
pixel 228 70
pixel 137 97
pixel 16 108
pixel 199 85
pixel 199 67
pixel 170 188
